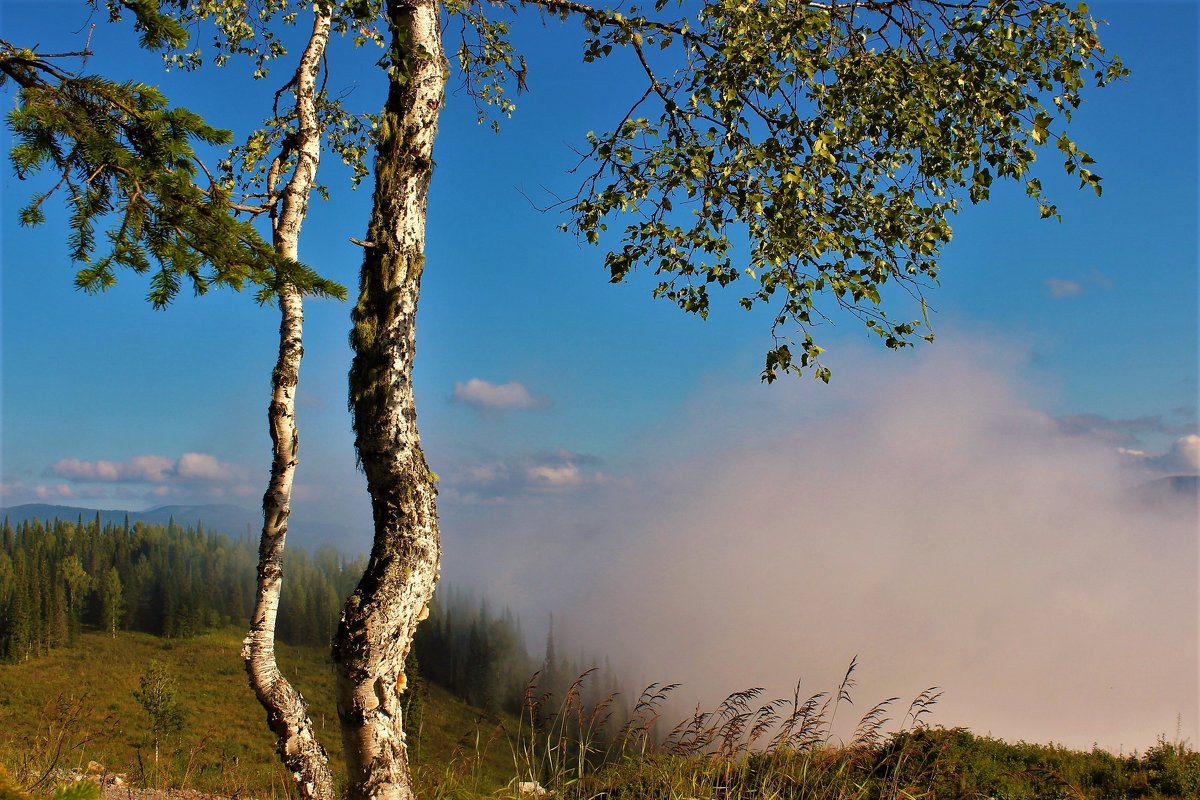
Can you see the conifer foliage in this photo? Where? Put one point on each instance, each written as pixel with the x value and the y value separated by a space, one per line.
pixel 124 160
pixel 58 577
pixel 168 580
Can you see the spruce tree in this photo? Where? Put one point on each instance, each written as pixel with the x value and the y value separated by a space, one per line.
pixel 120 152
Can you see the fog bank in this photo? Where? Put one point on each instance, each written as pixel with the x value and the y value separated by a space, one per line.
pixel 922 512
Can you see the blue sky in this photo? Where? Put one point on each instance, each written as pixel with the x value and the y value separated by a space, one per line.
pixel 553 404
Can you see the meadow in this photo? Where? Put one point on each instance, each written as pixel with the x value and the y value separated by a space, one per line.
pixel 76 705
pixel 60 711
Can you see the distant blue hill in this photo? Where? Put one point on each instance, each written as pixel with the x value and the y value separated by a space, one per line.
pixel 227 519
pixel 1171 489
pixel 1184 484
pixel 233 521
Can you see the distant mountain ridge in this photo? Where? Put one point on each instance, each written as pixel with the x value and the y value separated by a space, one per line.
pixel 230 520
pixel 1185 484
pixel 1170 488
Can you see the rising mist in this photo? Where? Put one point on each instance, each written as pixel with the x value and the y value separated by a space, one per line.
pixel 924 512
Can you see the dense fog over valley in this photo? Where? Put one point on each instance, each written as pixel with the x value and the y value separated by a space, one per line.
pixel 921 513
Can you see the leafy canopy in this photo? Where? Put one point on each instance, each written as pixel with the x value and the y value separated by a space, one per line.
pixel 236 29
pixel 158 695
pixel 814 152
pixel 811 149
pixel 821 148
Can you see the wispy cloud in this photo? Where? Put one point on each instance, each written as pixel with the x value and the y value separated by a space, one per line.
pixel 137 481
pixel 1059 288
pixel 22 492
pixel 1183 458
pixel 511 479
pixel 153 469
pixel 1129 432
pixel 139 469
pixel 511 396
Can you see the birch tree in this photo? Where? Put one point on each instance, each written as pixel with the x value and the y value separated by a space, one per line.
pixel 112 602
pixel 277 167
pixel 813 153
pixel 298 133
pixel 120 147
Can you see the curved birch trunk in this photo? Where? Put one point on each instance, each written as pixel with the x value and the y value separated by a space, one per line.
pixel 287 713
pixel 378 621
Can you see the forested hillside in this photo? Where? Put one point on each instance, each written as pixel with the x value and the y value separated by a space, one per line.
pixel 60 577
pixel 482 657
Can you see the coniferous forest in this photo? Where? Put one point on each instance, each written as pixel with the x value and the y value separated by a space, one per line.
pixel 60 577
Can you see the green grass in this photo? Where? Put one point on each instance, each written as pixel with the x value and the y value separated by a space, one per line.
pixel 753 748
pixel 84 696
pixel 745 749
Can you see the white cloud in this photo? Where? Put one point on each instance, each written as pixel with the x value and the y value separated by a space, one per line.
pixel 18 492
pixel 564 475
pixel 148 469
pixel 505 480
pixel 58 491
pixel 76 470
pixel 1060 288
pixel 511 396
pixel 194 477
pixel 151 469
pixel 201 466
pixel 1184 456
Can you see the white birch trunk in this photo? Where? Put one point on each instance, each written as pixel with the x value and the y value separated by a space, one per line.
pixel 378 621
pixel 287 713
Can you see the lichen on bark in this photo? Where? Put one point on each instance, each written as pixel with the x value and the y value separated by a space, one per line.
pixel 375 633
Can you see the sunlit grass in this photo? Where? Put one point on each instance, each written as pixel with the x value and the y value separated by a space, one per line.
pixel 225 747
pixel 76 706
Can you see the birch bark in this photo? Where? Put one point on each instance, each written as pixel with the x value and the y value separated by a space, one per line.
pixel 378 621
pixel 287 712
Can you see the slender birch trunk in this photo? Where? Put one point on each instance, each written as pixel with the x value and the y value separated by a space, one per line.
pixel 287 713
pixel 378 621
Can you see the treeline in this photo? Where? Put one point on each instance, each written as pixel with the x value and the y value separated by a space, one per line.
pixel 58 577
pixel 482 657
pixel 167 580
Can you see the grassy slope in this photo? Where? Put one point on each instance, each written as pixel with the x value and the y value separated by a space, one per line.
pixel 225 746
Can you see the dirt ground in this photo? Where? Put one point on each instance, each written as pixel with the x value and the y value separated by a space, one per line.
pixel 130 793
